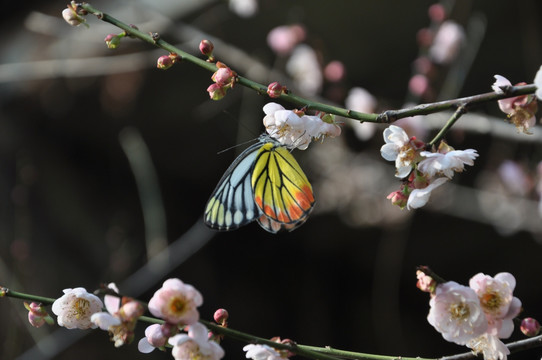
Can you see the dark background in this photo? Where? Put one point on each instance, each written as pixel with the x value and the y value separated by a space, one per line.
pixel 71 212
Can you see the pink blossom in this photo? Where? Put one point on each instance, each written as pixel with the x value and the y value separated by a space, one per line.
pixel 497 301
pixel 176 302
pixel 283 39
pixel 456 313
pixel 334 71
pixel 154 338
pixel 521 109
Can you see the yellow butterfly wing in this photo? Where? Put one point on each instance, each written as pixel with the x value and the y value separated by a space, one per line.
pixel 281 189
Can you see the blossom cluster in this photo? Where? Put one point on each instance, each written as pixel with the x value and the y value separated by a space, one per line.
pixel 424 171
pixel 175 303
pixel 295 129
pixel 477 316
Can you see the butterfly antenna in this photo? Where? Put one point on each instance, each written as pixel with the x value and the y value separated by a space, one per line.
pixel 234 146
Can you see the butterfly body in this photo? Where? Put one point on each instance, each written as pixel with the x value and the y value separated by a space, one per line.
pixel 265 183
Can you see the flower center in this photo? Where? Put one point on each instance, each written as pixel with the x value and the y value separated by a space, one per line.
pixel 459 311
pixel 81 307
pixel 177 305
pixel 491 300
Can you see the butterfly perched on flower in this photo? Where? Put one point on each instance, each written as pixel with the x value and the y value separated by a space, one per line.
pixel 265 183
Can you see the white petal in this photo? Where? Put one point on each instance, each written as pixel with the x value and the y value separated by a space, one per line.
pixel 389 151
pixel 104 320
pixel 144 346
pixel 538 83
pixel 500 81
pixel 271 108
pixel 419 197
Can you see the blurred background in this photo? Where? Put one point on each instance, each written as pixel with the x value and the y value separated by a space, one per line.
pixel 106 164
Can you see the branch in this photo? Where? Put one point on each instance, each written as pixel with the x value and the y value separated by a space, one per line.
pixel 388 116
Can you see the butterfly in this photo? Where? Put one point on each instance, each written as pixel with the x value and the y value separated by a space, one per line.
pixel 265 183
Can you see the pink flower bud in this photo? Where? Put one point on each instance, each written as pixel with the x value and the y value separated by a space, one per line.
pixel 164 62
pixel 398 198
pixel 425 282
pixel 274 90
pixel 216 92
pixel 221 316
pixel 112 41
pixel 437 13
pixel 530 326
pixel 37 316
pixel 131 310
pixel 206 47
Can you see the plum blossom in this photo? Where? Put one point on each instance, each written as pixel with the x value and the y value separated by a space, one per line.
pixel 156 336
pixel 283 39
pixel 304 68
pixel 401 149
pixel 497 301
pixel 262 352
pixel 195 345
pixel 119 320
pixel 294 129
pixel 420 197
pixel 446 163
pixel 447 42
pixel 176 302
pixel 456 313
pixel 538 83
pixel 490 346
pixel 361 100
pixel 75 307
pixel 244 8
pixel 520 110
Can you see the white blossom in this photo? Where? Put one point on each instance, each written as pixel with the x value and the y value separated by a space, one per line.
pixel 398 148
pixel 456 313
pixel 490 346
pixel 446 164
pixel 75 308
pixel 262 352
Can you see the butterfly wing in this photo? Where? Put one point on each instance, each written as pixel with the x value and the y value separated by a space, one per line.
pixel 281 189
pixel 231 204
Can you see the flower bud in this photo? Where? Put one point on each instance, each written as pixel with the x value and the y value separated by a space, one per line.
pixel 70 15
pixel 164 62
pixel 216 92
pixel 221 316
pixel 37 316
pixel 530 326
pixel 274 90
pixel 112 41
pixel 398 198
pixel 425 282
pixel 131 310
pixel 206 47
